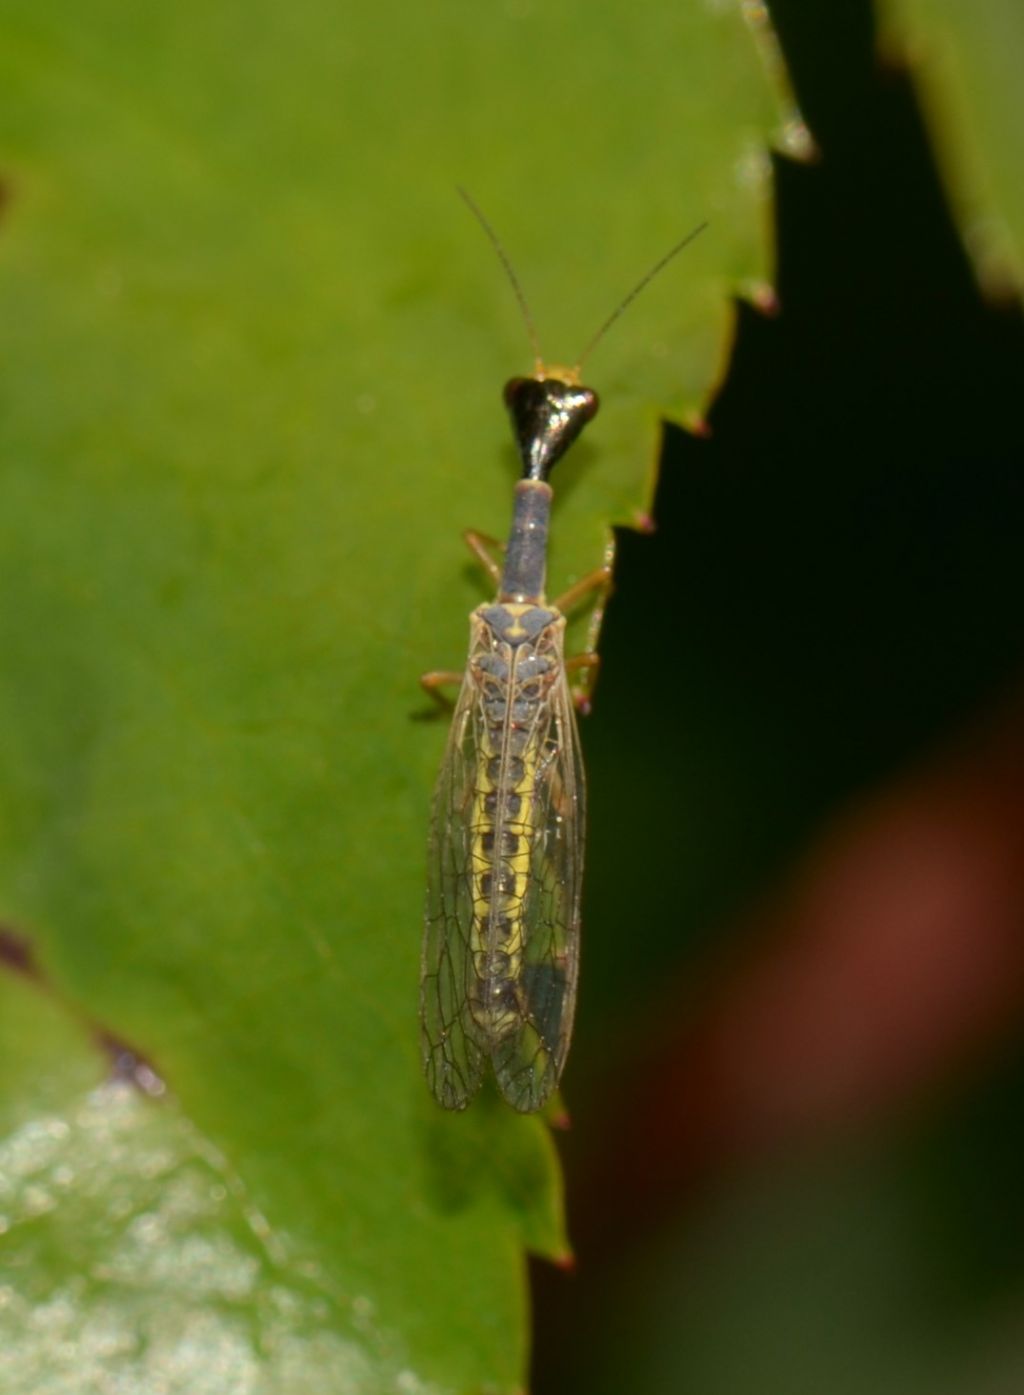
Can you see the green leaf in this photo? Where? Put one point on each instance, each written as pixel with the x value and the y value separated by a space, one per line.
pixel 133 1253
pixel 253 349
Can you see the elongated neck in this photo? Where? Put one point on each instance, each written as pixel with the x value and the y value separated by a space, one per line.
pixel 526 557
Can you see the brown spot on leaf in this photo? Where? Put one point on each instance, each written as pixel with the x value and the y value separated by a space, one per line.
pixel 16 954
pixel 128 1064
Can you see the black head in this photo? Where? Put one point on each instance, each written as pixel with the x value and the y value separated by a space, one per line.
pixel 547 416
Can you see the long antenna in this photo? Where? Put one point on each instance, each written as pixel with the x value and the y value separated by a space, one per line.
pixel 644 281
pixel 503 257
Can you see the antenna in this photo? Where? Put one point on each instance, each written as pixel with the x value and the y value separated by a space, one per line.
pixel 644 281
pixel 524 308
pixel 503 257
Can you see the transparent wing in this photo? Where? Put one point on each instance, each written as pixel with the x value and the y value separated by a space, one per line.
pixel 528 1061
pixel 452 1056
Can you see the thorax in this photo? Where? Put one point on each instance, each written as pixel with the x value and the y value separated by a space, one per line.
pixel 515 657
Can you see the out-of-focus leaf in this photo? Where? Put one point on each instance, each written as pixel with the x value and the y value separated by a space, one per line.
pixel 966 61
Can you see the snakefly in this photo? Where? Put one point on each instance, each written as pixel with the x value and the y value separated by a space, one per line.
pixel 501 944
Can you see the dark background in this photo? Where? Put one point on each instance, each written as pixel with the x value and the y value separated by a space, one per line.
pixel 797 1086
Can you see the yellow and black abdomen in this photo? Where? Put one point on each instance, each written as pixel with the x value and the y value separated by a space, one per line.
pixel 505 867
pixel 515 676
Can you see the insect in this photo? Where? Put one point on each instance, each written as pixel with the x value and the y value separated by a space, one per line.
pixel 505 857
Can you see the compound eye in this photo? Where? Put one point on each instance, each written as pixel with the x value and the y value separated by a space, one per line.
pixel 513 389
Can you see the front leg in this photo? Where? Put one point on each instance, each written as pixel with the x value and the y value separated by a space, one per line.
pixel 482 547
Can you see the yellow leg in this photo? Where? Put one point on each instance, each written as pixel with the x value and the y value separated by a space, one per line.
pixel 597 580
pixel 481 547
pixel 588 660
pixel 437 679
pixel 590 663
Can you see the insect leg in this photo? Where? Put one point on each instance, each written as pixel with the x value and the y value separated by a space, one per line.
pixel 437 679
pixel 590 663
pixel 598 581
pixel 482 548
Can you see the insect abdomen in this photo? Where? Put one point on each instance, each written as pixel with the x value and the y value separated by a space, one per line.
pixel 501 858
pixel 514 679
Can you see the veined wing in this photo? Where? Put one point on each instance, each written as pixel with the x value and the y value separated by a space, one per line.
pixel 452 1057
pixel 528 1059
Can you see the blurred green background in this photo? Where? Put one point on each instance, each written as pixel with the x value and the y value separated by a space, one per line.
pixel 251 353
